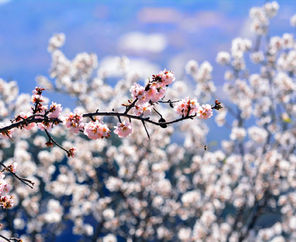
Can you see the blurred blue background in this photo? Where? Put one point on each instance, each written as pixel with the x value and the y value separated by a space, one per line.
pixel 171 32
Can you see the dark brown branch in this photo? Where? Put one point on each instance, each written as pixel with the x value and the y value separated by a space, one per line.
pixel 27 182
pixel 146 129
pixel 3 237
pixel 51 139
pixel 29 120
pixel 157 112
pixel 129 107
pixel 136 117
pixel 259 205
pixel 11 239
pixel 39 118
pixel 168 101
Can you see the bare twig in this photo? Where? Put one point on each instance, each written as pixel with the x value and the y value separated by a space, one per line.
pixel 11 239
pixel 129 107
pixel 51 139
pixel 146 129
pixel 27 182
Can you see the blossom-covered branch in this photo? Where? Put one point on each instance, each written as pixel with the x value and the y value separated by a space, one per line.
pixel 140 107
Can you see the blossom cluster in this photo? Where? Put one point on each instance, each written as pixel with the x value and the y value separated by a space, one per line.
pixel 261 17
pixel 154 89
pixel 189 106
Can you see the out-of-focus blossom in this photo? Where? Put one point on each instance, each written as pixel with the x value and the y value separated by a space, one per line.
pixel 56 42
pixel 257 134
pixel 293 21
pixel 109 238
pixel 238 133
pixel 204 72
pixel 223 58
pixel 191 67
pixel 271 8
pixel 257 57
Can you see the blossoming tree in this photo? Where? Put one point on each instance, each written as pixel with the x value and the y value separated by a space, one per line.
pixel 136 183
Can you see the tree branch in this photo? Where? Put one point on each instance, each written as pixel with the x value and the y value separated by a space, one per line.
pixel 27 182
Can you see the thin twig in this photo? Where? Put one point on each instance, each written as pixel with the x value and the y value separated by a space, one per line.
pixel 131 106
pixel 146 129
pixel 29 120
pixel 157 112
pixel 136 117
pixel 3 237
pixel 27 182
pixel 50 139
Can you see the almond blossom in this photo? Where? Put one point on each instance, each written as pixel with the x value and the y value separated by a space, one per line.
pixel 55 110
pixel 74 122
pixel 143 110
pixel 187 107
pixel 138 91
pixel 123 129
pixel 96 130
pixel 204 111
pixel 166 77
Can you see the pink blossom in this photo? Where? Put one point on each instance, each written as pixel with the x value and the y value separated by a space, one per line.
pixel 37 99
pixel 137 91
pixel 142 109
pixel 167 77
pixel 96 130
pixel 205 111
pixel 74 122
pixel 187 105
pixel 155 92
pixel 123 129
pixel 155 89
pixel 55 110
pixel 151 93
